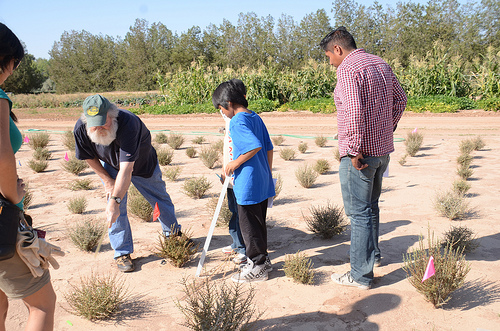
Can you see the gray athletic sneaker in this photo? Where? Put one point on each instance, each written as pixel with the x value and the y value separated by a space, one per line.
pixel 347 280
pixel 250 273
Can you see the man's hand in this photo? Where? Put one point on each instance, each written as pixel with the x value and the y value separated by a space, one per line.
pixel 112 212
pixel 357 162
pixel 230 168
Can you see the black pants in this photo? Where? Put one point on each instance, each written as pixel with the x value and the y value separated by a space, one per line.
pixel 254 230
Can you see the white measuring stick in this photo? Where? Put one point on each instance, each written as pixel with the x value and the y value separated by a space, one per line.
pixel 212 226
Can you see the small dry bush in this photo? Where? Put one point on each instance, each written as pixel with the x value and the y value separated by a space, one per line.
pixel 68 140
pixel 172 173
pixel 87 234
pixel 38 166
pixel 74 166
pixel 28 196
pixel 77 205
pixel 479 144
pixel 466 146
pixel 177 248
pixel 336 154
pixel 209 156
pixel 161 138
pixel 465 172
pixel 321 166
pixel 196 187
pixel 326 221
pixel 302 147
pixel 277 140
pixel 461 239
pixel 450 270
pixel 41 154
pixel 299 268
pixel 219 146
pixel 97 297
pixel 413 142
pixel 402 160
pixel 451 205
pixel 198 140
pixel 175 140
pixel 217 305
pixel 165 156
pixel 38 140
pixel 461 187
pixel 320 141
pixel 191 152
pixel 279 185
pixel 224 215
pixel 287 153
pixel 306 176
pixel 138 205
pixel 464 160
pixel 81 185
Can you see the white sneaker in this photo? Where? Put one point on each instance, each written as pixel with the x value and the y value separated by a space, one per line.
pixel 347 280
pixel 250 273
pixel 228 250
pixel 239 259
pixel 268 264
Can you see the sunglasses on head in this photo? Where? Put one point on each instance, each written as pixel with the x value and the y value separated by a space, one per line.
pixel 16 64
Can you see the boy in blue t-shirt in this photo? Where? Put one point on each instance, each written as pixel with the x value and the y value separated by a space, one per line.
pixel 253 183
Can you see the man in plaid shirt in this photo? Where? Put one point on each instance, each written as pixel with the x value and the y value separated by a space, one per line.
pixel 370 102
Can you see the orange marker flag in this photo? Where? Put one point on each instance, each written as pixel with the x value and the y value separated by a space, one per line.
pixel 429 271
pixel 66 156
pixel 156 212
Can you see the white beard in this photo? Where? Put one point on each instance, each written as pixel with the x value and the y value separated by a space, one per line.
pixel 104 137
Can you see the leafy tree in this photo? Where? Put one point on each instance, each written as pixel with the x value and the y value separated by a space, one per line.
pixel 25 79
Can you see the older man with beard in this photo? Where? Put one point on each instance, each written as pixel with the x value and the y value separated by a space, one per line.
pixel 117 146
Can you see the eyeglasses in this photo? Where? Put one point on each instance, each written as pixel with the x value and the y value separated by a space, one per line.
pixel 16 64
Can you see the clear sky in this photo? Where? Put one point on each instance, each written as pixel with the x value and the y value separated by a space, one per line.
pixel 40 23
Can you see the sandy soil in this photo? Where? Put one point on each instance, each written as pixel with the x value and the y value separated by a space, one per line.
pixel 406 213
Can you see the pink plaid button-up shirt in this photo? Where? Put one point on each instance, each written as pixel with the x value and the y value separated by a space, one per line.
pixel 370 102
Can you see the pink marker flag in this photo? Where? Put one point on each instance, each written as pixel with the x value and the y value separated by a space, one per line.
pixel 429 271
pixel 66 156
pixel 26 139
pixel 414 130
pixel 156 212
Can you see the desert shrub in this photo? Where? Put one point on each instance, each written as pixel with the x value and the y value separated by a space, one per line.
pixel 479 143
pixel 191 152
pixel 466 146
pixel 165 156
pixel 74 166
pixel 413 142
pixel 38 166
pixel 198 140
pixel 212 305
pixel 77 205
pixel 321 166
pixel 138 205
pixel 277 140
pixel 336 154
pixel 299 268
pixel 68 140
pixel 306 175
pixel 38 140
pixel 224 215
pixel 320 141
pixel 464 160
pixel 81 185
pixel 218 146
pixel 461 239
pixel 465 172
pixel 41 154
pixel 302 147
pixel 87 234
pixel 461 187
pixel 161 138
pixel 279 185
pixel 177 248
pixel 450 271
pixel 28 196
pixel 326 221
pixel 402 160
pixel 97 297
pixel 287 153
pixel 209 156
pixel 172 173
pixel 196 187
pixel 451 205
pixel 175 140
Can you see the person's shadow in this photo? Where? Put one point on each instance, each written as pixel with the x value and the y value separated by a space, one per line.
pixel 356 318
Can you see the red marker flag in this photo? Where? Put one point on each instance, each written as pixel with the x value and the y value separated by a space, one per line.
pixel 156 212
pixel 429 271
pixel 66 156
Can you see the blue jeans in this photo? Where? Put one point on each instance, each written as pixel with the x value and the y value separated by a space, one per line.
pixel 154 191
pixel 234 223
pixel 360 192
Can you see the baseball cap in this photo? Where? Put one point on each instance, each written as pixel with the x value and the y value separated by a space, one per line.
pixel 95 109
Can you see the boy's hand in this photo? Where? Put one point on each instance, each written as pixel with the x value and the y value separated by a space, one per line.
pixel 230 168
pixel 222 177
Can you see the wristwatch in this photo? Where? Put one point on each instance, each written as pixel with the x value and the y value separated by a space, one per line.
pixel 117 199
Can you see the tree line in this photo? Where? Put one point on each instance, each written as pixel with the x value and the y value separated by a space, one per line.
pixel 82 62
